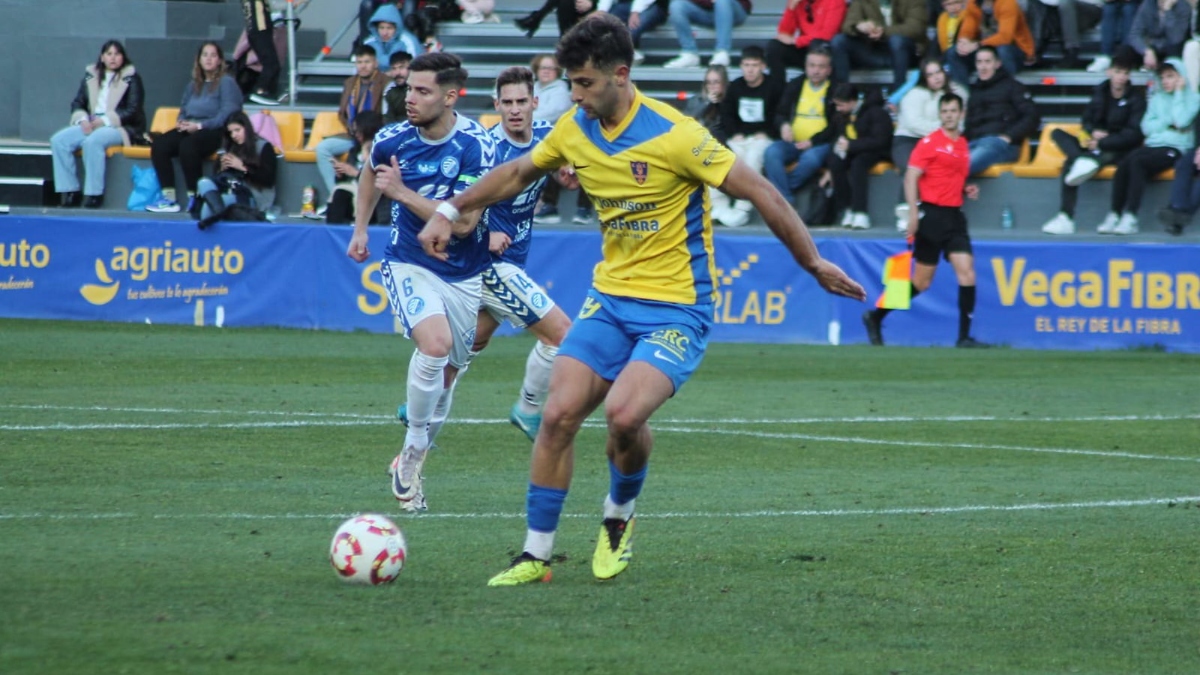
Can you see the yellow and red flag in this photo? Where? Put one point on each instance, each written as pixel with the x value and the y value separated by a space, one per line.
pixel 897 282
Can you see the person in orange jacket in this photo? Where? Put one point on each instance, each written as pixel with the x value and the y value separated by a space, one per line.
pixel 998 23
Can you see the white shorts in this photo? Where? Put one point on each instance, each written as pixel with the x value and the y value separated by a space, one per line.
pixel 509 294
pixel 416 294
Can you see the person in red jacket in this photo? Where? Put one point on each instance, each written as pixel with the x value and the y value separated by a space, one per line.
pixel 803 23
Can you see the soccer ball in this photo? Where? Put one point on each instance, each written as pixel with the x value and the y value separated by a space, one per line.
pixel 367 549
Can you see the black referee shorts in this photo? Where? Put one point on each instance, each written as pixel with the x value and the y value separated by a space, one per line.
pixel 941 230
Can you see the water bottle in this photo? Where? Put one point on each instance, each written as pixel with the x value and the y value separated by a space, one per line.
pixel 835 332
pixel 1006 218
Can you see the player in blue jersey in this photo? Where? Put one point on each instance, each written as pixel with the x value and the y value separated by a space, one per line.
pixel 434 155
pixel 644 325
pixel 509 294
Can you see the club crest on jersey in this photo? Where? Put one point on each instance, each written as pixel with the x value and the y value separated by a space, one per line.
pixel 639 171
pixel 450 167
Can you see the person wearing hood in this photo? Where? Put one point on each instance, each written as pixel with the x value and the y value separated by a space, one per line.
pixel 999 24
pixel 107 111
pixel 1112 128
pixel 388 35
pixel 1169 126
pixel 864 138
pixel 1001 115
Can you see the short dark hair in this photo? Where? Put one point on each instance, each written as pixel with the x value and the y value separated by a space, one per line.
pixel 514 75
pixel 1126 58
pixel 950 98
pixel 447 66
pixel 399 57
pixel 600 38
pixel 365 50
pixel 366 124
pixel 844 91
pixel 988 48
pixel 754 52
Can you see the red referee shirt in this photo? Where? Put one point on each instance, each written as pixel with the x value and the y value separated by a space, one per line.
pixel 945 165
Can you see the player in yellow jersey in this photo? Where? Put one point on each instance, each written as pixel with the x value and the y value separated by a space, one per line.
pixel 644 325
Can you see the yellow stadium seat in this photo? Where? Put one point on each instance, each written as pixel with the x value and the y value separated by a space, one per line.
pixel 291 128
pixel 164 121
pixel 1049 159
pixel 882 168
pixel 326 123
pixel 996 170
pixel 489 120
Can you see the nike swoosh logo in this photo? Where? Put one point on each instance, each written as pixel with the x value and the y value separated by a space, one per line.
pixel 659 355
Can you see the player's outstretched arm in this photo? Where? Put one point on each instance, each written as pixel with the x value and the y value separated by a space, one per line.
pixel 365 202
pixel 502 182
pixel 744 183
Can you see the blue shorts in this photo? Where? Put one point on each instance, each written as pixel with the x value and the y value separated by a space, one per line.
pixel 611 331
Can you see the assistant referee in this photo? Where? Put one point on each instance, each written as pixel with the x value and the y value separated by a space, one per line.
pixel 937 174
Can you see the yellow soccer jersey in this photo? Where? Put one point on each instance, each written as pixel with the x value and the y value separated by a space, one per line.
pixel 647 179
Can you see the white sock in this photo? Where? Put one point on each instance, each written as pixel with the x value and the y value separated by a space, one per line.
pixel 619 511
pixel 442 410
pixel 539 544
pixel 537 377
pixel 425 375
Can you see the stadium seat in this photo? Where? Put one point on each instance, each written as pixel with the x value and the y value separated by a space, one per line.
pixel 291 128
pixel 164 121
pixel 996 170
pixel 1049 159
pixel 489 120
pixel 326 123
pixel 882 168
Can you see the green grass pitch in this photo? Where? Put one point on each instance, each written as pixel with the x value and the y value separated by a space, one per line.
pixel 168 494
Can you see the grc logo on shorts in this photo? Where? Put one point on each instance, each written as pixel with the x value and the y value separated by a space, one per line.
pixel 673 341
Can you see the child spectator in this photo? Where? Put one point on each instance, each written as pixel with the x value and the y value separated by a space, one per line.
pixel 868 39
pixel 949 24
pixel 1169 126
pixel 107 111
pixel 246 170
pixel 342 205
pixel 397 89
pixel 1111 130
pixel 864 138
pixel 209 99
pixel 721 15
pixel 803 23
pixel 388 35
pixel 1001 25
pixel 362 91
pixel 747 115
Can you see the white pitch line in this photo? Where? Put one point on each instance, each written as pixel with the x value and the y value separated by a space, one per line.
pixel 799 513
pixel 927 444
pixel 293 424
pixel 736 421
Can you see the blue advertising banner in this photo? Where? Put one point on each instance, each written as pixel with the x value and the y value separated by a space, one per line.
pixel 1038 295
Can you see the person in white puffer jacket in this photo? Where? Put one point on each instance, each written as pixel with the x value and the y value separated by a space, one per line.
pixel 917 117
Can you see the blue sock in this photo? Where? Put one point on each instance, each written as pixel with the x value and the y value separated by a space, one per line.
pixel 623 488
pixel 543 506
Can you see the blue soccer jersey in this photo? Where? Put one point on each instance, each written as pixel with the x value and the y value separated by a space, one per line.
pixel 514 217
pixel 437 170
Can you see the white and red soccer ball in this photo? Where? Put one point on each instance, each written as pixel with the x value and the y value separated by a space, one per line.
pixel 367 549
